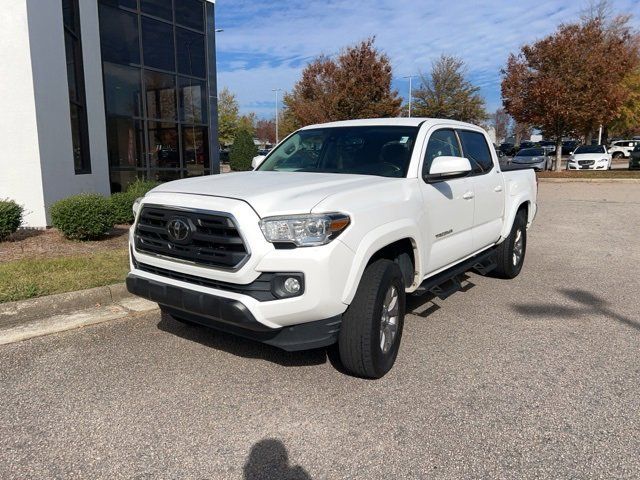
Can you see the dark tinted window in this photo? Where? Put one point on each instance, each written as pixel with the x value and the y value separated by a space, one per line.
pixel 195 149
pixel 190 14
pixel 590 149
pixel 124 142
pixel 119 36
pixel 157 44
pixel 75 83
pixel 122 89
pixel 530 152
pixel 193 100
pixel 191 53
pixel 365 150
pixel 158 8
pixel 160 93
pixel 132 4
pixel 475 148
pixel 441 143
pixel 163 145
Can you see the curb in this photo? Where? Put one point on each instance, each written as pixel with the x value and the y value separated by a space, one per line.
pixel 589 180
pixel 15 313
pixel 66 311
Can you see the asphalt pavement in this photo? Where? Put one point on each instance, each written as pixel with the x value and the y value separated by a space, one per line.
pixel 538 377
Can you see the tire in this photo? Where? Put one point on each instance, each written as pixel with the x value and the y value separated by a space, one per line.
pixel 508 265
pixel 359 342
pixel 618 155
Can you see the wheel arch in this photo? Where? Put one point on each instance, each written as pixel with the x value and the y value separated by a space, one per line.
pixel 394 241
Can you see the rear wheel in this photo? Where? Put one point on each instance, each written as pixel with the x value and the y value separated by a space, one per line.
pixel 510 253
pixel 618 155
pixel 371 328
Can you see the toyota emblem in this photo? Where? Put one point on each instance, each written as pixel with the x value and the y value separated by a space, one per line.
pixel 178 229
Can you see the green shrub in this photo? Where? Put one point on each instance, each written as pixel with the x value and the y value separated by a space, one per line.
pixel 83 217
pixel 10 217
pixel 121 204
pixel 140 187
pixel 242 151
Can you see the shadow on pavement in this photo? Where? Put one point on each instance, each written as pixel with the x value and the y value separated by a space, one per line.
pixel 269 460
pixel 239 346
pixel 588 303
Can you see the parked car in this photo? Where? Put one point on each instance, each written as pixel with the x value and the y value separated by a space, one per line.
pixel 320 244
pixel 622 148
pixel 590 157
pixel 526 145
pixel 535 158
pixel 507 149
pixel 634 160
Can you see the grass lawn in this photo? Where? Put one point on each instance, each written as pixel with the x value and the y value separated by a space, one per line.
pixel 35 277
pixel 591 174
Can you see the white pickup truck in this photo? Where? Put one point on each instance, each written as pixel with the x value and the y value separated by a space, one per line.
pixel 323 240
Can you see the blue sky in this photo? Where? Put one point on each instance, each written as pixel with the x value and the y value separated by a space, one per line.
pixel 266 44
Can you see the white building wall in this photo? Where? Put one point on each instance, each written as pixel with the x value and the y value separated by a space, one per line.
pixel 48 64
pixel 20 173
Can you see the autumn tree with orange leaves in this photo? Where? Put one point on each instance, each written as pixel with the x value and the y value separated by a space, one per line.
pixel 355 85
pixel 570 81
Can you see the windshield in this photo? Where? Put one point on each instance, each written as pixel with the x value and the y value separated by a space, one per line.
pixel 531 152
pixel 590 149
pixel 368 150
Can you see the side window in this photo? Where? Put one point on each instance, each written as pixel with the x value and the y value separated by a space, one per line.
pixel 441 143
pixel 475 148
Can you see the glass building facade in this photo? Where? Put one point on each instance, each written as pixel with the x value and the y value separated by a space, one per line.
pixel 158 65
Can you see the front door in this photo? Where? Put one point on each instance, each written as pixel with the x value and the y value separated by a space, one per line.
pixel 448 206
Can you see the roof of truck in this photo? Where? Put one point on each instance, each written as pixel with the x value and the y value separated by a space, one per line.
pixel 400 122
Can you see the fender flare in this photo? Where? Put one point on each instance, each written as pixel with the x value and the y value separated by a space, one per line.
pixel 517 197
pixel 375 240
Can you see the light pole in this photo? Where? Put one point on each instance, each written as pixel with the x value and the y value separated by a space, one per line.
pixel 410 77
pixel 277 90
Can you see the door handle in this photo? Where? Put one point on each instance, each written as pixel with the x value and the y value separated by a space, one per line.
pixel 468 195
pixel 498 188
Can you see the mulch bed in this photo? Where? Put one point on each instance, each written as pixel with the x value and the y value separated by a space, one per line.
pixel 49 243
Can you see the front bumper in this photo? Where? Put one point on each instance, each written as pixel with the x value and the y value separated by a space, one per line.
pixel 594 166
pixel 233 316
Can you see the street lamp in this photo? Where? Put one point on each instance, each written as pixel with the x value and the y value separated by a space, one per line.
pixel 277 112
pixel 410 77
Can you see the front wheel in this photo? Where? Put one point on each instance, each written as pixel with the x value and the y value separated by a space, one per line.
pixel 510 253
pixel 371 328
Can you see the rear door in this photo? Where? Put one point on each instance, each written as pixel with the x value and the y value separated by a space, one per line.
pixel 448 206
pixel 488 186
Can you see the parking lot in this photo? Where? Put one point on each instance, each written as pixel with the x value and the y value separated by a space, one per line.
pixel 535 377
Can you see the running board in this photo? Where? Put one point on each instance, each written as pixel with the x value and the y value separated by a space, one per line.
pixel 448 282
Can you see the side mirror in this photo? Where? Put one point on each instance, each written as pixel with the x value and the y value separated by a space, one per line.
pixel 257 161
pixel 446 168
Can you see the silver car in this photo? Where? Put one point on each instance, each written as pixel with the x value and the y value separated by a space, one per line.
pixel 536 158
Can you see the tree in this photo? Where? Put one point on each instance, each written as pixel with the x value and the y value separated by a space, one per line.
pixel 446 93
pixel 248 122
pixel 627 121
pixel 228 116
pixel 355 85
pixel 242 151
pixel 569 81
pixel 501 123
pixel 266 130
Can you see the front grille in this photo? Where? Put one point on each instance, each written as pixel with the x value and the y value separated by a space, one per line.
pixel 260 289
pixel 213 238
pixel 586 162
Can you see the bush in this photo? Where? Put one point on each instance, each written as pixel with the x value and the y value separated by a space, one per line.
pixel 83 217
pixel 140 187
pixel 121 205
pixel 10 217
pixel 122 202
pixel 242 151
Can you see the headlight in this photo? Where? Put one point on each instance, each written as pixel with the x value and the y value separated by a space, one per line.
pixel 304 230
pixel 136 206
pixel 604 160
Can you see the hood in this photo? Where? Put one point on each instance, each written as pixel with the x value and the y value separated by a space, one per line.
pixel 272 193
pixel 536 159
pixel 590 156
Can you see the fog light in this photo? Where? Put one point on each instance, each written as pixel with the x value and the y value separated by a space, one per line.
pixel 292 285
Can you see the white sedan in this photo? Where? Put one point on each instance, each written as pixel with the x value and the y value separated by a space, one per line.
pixel 590 157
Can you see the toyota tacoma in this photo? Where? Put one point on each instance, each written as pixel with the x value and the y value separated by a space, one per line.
pixel 322 241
